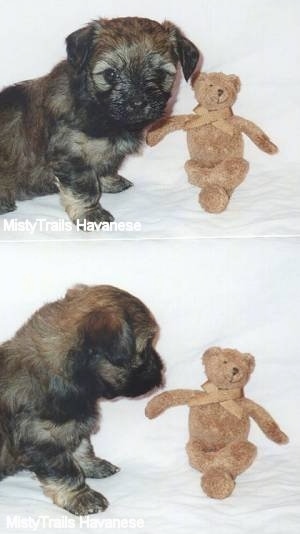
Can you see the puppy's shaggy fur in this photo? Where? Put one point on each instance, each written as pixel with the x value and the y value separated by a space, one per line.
pixel 69 131
pixel 97 342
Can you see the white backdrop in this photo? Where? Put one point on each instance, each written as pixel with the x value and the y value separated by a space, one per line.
pixel 236 292
pixel 257 40
pixel 243 294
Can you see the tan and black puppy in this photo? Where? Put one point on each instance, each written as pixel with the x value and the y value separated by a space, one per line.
pixel 69 131
pixel 95 343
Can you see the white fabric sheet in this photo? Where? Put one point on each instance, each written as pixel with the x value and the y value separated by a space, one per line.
pixel 230 293
pixel 237 292
pixel 258 41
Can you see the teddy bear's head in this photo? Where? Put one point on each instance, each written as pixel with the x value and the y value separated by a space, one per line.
pixel 228 368
pixel 216 90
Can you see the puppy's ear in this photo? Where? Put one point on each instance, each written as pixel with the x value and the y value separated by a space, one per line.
pixel 201 77
pixel 73 291
pixel 79 45
pixel 188 54
pixel 105 334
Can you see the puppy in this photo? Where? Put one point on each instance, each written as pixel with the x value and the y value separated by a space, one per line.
pixel 95 343
pixel 70 131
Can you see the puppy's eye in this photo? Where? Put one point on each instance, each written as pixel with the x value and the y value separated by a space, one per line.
pixel 225 361
pixel 110 75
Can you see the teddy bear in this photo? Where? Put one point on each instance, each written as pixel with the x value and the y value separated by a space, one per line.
pixel 219 420
pixel 214 139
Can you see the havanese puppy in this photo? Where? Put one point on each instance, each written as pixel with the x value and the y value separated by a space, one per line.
pixel 69 131
pixel 96 342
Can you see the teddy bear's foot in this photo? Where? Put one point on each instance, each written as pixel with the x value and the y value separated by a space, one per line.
pixel 229 174
pixel 217 483
pixel 213 199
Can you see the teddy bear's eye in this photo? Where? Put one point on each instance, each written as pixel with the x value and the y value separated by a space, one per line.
pixel 225 361
pixel 210 85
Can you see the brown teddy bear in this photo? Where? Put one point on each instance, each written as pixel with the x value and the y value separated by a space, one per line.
pixel 214 138
pixel 219 420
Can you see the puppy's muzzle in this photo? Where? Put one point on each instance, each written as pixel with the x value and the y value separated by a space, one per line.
pixel 137 108
pixel 146 377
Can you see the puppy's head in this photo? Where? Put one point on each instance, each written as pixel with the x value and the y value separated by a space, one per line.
pixel 115 354
pixel 129 65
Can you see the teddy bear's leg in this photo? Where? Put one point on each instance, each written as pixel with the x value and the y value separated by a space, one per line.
pixel 234 458
pixel 198 459
pixel 220 468
pixel 213 198
pixel 217 483
pixel 197 174
pixel 230 173
pixel 239 456
pixel 220 184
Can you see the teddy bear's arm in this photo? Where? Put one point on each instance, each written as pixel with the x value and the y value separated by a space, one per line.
pixel 258 136
pixel 164 127
pixel 167 399
pixel 264 421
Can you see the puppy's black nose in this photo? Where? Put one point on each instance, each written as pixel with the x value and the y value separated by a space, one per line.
pixel 220 92
pixel 136 104
pixel 235 371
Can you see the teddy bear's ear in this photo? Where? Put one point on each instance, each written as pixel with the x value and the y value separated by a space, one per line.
pixel 201 77
pixel 213 351
pixel 251 361
pixel 235 80
pixel 197 78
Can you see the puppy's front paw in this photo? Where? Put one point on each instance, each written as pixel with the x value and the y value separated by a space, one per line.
pixel 7 205
pixel 94 217
pixel 102 469
pixel 87 502
pixel 114 184
pixel 98 215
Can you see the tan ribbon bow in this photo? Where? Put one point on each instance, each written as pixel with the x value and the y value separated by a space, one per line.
pixel 225 397
pixel 217 118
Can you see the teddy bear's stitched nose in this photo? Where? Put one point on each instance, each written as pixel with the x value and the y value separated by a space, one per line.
pixel 235 371
pixel 220 92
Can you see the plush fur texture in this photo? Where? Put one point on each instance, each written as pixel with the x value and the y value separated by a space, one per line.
pixel 70 131
pixel 219 420
pixel 95 343
pixel 214 138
